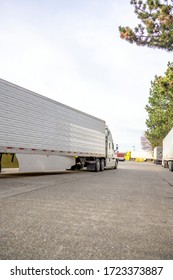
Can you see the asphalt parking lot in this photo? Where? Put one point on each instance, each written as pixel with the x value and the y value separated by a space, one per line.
pixel 116 214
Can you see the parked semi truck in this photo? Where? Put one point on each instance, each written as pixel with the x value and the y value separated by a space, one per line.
pixel 120 156
pixel 46 135
pixel 167 158
pixel 158 155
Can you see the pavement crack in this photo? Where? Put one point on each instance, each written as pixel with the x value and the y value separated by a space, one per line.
pixel 20 190
pixel 171 185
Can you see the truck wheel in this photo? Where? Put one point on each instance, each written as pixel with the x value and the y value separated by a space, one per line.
pixel 102 164
pixel 97 165
pixel 170 165
pixel 116 164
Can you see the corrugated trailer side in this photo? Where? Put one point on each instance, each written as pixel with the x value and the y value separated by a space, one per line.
pixel 168 150
pixel 33 124
pixel 31 121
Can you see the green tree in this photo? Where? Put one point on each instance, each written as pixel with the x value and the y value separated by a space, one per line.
pixel 160 107
pixel 156 27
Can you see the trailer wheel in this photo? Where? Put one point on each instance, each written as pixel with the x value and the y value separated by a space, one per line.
pixel 102 164
pixel 116 164
pixel 97 165
pixel 170 165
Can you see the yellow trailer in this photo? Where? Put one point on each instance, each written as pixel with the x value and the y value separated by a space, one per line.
pixel 128 155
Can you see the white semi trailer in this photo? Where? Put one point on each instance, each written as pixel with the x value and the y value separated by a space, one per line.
pixel 47 135
pixel 167 159
pixel 142 154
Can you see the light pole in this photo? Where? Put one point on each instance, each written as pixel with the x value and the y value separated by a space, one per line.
pixel 133 148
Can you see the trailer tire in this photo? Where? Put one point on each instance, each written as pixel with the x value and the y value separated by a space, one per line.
pixel 116 164
pixel 102 164
pixel 97 165
pixel 170 165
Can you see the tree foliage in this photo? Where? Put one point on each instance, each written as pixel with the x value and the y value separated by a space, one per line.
pixel 156 29
pixel 160 107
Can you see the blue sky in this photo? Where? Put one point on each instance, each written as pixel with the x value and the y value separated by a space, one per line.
pixel 71 51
